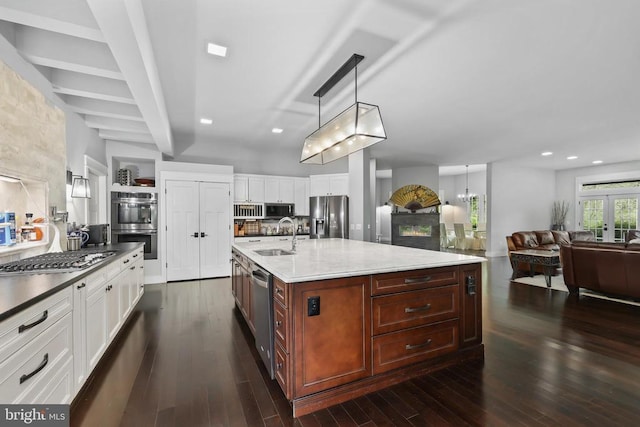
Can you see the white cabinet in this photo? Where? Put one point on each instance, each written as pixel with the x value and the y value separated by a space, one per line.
pixel 198 229
pixel 329 185
pixel 95 322
pixel 248 188
pixel 301 195
pixel 36 359
pixel 279 190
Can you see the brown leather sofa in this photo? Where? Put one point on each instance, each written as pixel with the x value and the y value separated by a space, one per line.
pixel 609 268
pixel 550 240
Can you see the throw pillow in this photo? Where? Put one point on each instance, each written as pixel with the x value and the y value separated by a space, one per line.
pixel 637 241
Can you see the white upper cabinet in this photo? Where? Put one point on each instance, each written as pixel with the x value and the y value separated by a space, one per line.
pixel 247 188
pixel 301 192
pixel 279 190
pixel 329 185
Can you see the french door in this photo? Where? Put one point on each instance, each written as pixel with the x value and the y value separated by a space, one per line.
pixel 609 217
pixel 198 236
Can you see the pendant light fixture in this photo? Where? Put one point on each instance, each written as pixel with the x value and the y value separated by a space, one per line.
pixel 466 197
pixel 80 187
pixel 357 127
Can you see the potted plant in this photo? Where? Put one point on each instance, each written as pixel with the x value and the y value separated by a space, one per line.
pixel 559 212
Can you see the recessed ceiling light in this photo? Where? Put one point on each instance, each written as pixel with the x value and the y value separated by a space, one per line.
pixel 216 49
pixel 547 153
pixel 276 130
pixel 572 157
pixel 206 121
pixel 597 162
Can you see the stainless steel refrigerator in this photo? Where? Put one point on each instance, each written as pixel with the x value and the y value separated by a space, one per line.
pixel 329 217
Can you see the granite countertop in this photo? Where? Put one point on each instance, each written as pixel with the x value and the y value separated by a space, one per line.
pixel 320 259
pixel 20 291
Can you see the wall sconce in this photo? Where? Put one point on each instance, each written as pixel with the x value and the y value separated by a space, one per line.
pixel 356 128
pixel 80 188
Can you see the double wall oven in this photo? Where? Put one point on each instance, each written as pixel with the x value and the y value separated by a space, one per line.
pixel 134 218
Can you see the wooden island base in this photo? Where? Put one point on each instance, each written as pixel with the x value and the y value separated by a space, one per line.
pixel 346 336
pixel 324 399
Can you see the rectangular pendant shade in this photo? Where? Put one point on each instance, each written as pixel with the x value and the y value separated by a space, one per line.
pixel 81 188
pixel 357 127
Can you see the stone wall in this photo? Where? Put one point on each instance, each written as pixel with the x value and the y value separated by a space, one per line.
pixel 32 136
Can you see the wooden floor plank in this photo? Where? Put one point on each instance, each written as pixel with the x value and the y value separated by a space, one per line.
pixel 187 358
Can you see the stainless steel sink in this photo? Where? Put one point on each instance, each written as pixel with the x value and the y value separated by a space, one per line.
pixel 273 252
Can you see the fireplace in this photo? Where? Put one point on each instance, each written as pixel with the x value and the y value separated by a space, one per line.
pixel 416 230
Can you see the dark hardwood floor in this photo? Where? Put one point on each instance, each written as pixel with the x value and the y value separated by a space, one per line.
pixel 187 359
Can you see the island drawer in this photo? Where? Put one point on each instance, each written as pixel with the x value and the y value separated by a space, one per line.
pixel 409 346
pixel 21 328
pixel 280 292
pixel 417 308
pixel 281 325
pixel 389 283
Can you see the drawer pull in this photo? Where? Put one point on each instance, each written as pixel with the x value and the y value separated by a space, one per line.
pixel 413 347
pixel 278 323
pixel 132 267
pixel 81 285
pixel 415 309
pixel 44 362
pixel 125 261
pixel 278 291
pixel 278 366
pixel 417 280
pixel 23 328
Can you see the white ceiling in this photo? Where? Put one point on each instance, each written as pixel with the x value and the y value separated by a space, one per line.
pixel 457 82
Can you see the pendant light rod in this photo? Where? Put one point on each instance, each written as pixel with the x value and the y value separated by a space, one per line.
pixel 339 75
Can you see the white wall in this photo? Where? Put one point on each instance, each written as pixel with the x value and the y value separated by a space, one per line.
pixel 359 196
pixel 423 175
pixel 519 199
pixel 566 183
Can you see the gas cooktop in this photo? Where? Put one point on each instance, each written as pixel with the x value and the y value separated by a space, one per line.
pixel 60 262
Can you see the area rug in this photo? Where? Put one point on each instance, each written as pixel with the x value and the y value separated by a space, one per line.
pixel 557 282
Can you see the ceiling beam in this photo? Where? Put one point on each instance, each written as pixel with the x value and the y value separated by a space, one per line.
pixel 108 123
pixel 89 86
pixel 124 27
pixel 125 137
pixel 68 53
pixel 18 14
pixel 103 108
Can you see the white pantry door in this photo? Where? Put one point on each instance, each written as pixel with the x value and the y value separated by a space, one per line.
pixel 215 223
pixel 183 241
pixel 198 221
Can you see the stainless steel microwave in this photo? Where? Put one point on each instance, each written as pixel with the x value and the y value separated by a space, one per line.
pixel 278 210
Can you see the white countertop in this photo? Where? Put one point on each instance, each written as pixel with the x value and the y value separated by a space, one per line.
pixel 320 259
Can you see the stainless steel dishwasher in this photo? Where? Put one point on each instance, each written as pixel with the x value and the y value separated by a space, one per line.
pixel 261 289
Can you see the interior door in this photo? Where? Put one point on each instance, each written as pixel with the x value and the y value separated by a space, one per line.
pixel 215 222
pixel 183 230
pixel 609 217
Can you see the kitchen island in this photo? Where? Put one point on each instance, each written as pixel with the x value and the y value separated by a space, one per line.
pixel 352 317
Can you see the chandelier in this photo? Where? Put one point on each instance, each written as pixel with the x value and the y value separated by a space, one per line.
pixel 466 197
pixel 356 128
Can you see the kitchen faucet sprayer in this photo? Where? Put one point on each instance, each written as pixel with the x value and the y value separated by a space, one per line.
pixel 293 226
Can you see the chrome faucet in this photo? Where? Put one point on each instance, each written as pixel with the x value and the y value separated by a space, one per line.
pixel 293 226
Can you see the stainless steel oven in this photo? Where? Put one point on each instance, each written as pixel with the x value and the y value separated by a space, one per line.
pixel 148 237
pixel 134 218
pixel 134 211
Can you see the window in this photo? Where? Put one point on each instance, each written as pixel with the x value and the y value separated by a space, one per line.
pixel 474 211
pixel 609 185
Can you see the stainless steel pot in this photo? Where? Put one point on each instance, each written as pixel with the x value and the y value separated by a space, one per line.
pixel 74 243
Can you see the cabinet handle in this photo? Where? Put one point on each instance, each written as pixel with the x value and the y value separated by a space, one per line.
pixel 278 366
pixel 23 328
pixel 135 255
pixel 278 291
pixel 414 309
pixel 44 362
pixel 82 285
pixel 417 280
pixel 278 323
pixel 125 261
pixel 195 234
pixel 254 241
pixel 133 267
pixel 413 347
pixel 203 234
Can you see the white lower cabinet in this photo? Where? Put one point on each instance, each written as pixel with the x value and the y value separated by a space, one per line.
pixel 30 371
